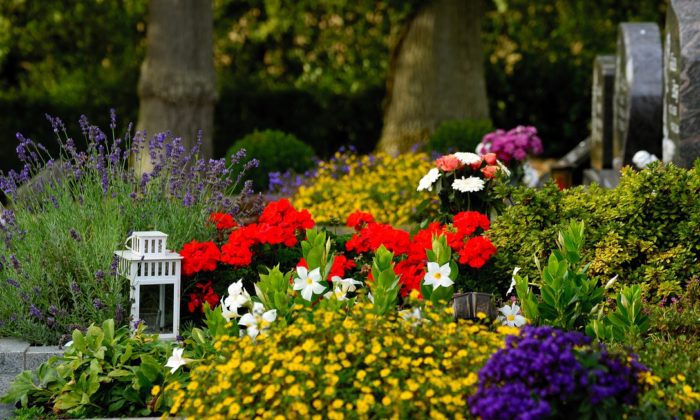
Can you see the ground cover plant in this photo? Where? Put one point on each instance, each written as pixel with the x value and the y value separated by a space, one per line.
pixel 66 216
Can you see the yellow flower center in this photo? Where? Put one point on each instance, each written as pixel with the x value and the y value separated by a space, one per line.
pixel 309 280
pixel 510 317
pixel 438 276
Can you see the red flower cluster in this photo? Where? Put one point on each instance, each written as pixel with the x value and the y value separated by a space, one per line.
pixel 359 220
pixel 474 251
pixel 222 221
pixel 373 235
pixel 204 294
pixel 199 256
pixel 279 223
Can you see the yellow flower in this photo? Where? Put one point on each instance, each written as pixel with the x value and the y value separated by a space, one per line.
pixel 155 390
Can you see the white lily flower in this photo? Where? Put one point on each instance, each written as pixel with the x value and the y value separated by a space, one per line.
pixel 426 183
pixel 237 298
pixel 258 321
pixel 511 316
pixel 438 276
pixel 512 280
pixel 308 282
pixel 176 360
pixel 350 283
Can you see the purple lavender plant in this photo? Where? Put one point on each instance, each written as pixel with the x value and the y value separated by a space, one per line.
pixel 67 214
pixel 545 372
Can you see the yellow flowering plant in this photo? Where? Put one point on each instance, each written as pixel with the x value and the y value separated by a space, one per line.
pixel 380 184
pixel 333 364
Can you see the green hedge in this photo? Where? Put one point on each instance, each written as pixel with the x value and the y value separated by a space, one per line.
pixel 646 231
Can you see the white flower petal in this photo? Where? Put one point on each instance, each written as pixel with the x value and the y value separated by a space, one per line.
pixel 307 293
pixel 317 288
pixel 270 315
pixel 247 320
pixel 315 274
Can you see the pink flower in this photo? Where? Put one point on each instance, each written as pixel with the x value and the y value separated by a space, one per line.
pixel 490 158
pixel 448 163
pixel 489 171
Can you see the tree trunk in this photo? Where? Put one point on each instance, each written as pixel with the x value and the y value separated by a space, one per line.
pixel 437 74
pixel 177 87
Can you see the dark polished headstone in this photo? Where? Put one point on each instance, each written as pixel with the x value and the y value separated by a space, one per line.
pixel 681 128
pixel 638 92
pixel 602 111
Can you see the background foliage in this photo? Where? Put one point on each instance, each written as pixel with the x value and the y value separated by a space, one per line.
pixel 316 71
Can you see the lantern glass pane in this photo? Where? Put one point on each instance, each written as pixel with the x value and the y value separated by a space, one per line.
pixel 156 308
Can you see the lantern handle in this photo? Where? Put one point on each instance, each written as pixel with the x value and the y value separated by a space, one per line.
pixel 129 242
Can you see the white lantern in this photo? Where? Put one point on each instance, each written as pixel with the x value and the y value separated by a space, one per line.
pixel 154 276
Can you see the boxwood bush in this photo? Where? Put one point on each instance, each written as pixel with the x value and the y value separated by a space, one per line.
pixel 646 231
pixel 276 151
pixel 458 135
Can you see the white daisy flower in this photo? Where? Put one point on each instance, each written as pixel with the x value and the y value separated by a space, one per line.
pixel 471 184
pixel 426 183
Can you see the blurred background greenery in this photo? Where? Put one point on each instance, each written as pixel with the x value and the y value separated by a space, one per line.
pixel 317 70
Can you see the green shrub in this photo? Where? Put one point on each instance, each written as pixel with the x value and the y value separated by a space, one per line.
pixel 276 151
pixel 458 135
pixel 646 231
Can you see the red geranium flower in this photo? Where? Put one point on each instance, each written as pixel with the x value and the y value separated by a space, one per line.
pixel 237 250
pixel 199 256
pixel 476 252
pixel 222 221
pixel 467 222
pixel 204 294
pixel 340 265
pixel 359 219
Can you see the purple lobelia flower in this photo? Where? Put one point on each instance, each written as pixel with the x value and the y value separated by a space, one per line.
pixel 546 372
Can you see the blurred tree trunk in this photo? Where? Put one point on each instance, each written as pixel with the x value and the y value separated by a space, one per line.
pixel 437 73
pixel 177 87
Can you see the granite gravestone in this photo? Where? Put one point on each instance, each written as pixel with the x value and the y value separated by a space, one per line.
pixel 681 116
pixel 637 106
pixel 602 112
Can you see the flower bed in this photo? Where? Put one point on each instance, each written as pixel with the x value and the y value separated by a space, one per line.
pixel 284 319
